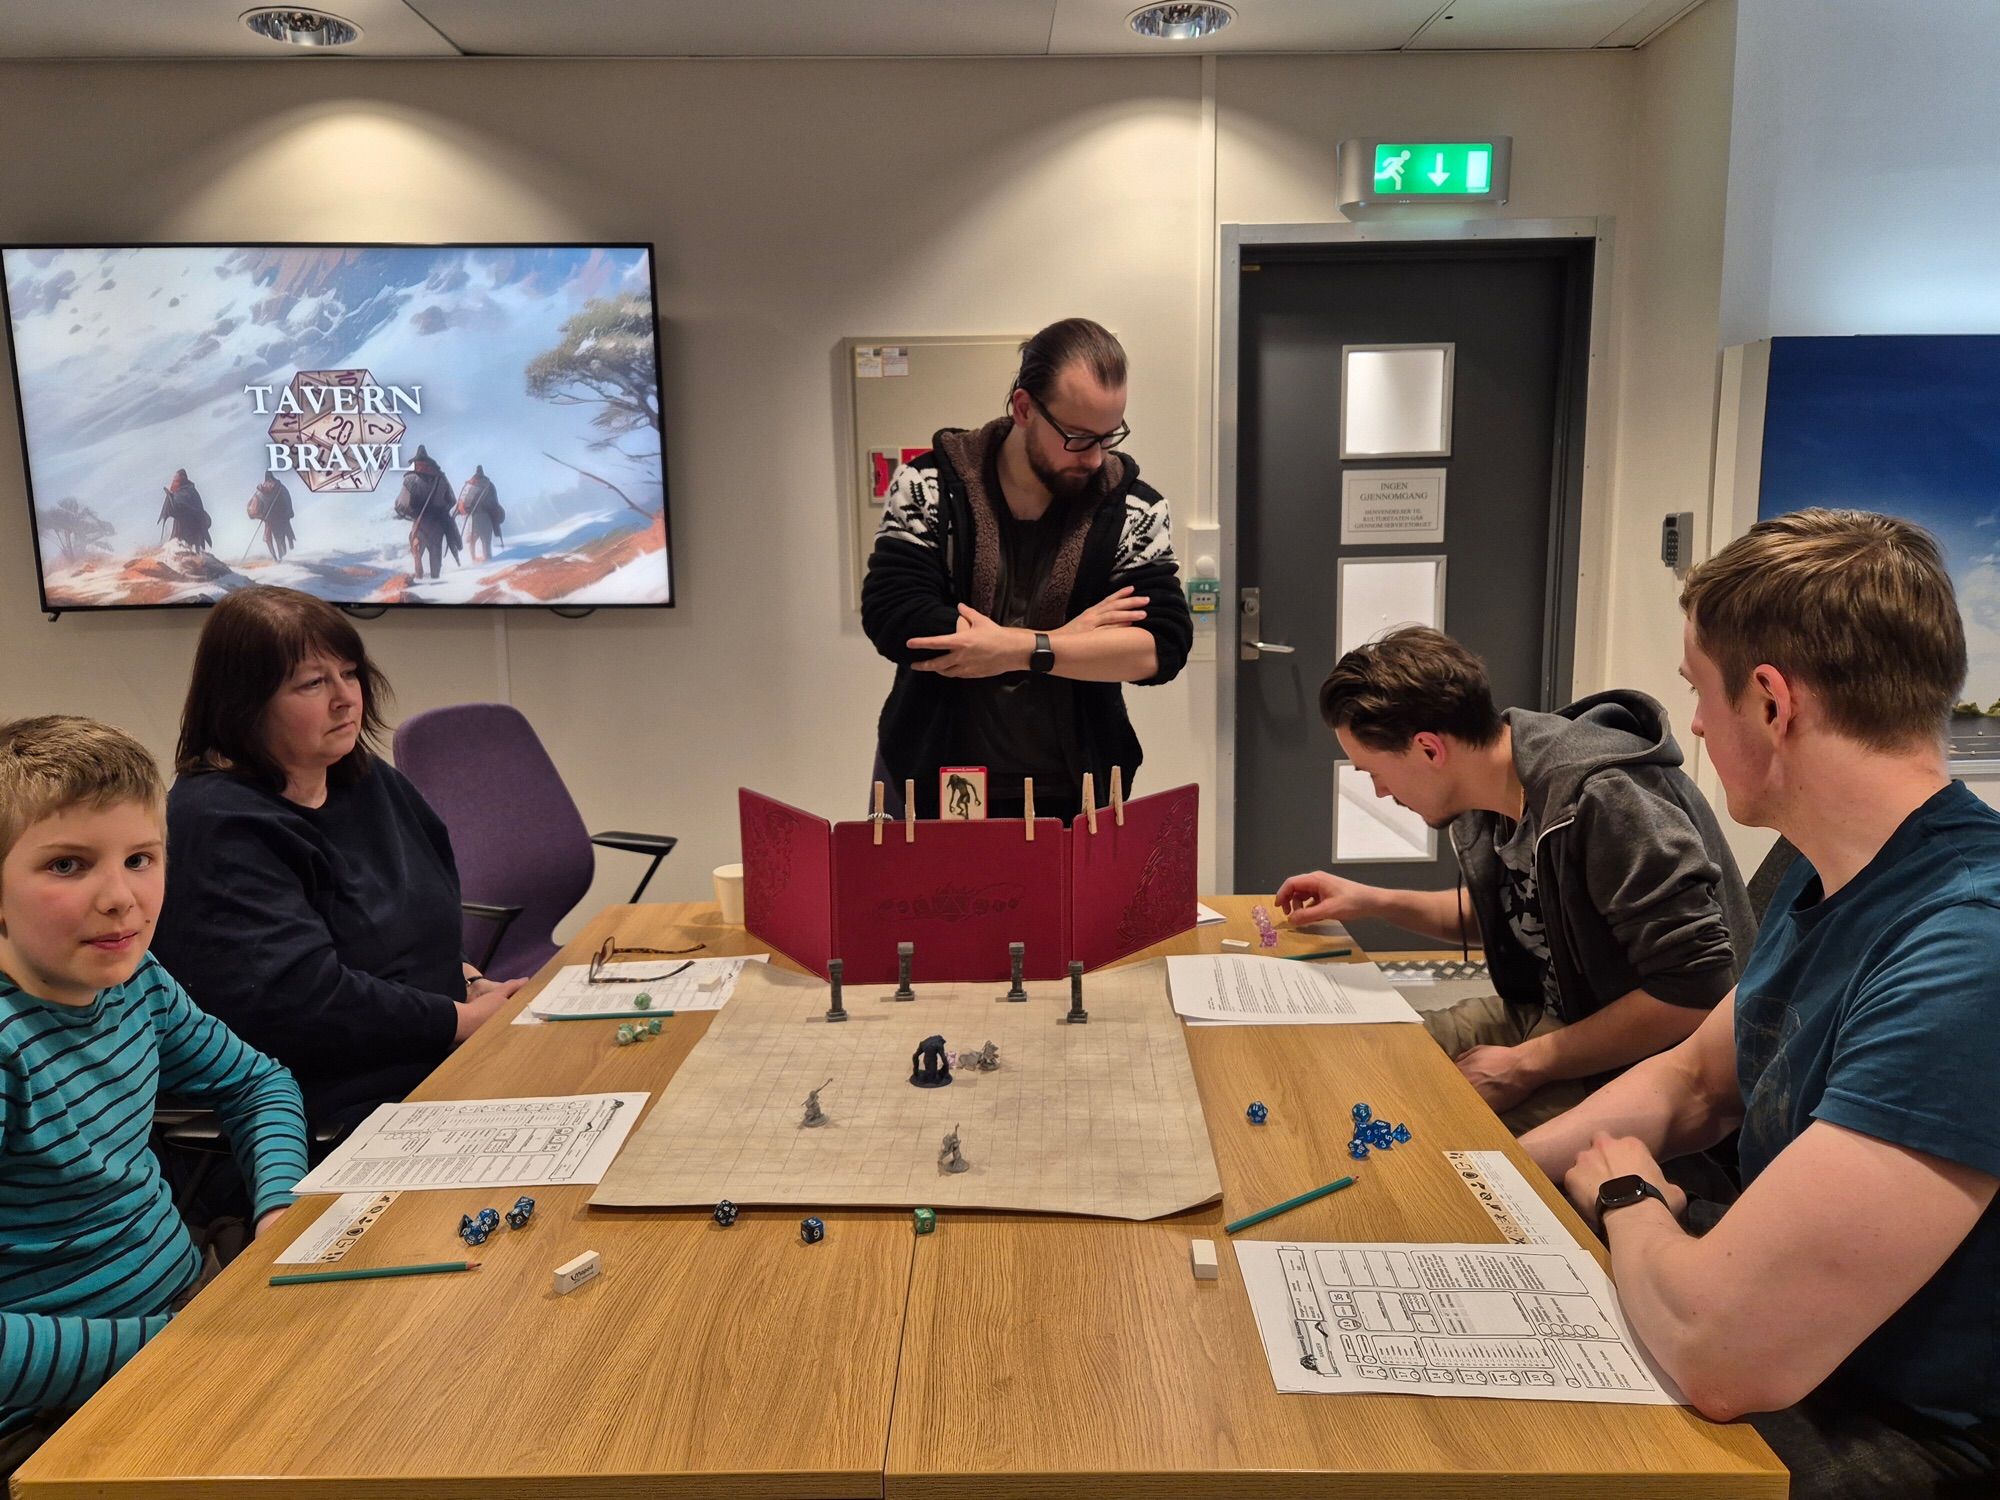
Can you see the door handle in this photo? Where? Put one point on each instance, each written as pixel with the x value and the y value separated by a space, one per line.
pixel 1249 614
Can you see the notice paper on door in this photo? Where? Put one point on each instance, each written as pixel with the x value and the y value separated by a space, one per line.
pixel 1245 989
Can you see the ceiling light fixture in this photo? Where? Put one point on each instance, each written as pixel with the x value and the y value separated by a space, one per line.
pixel 301 28
pixel 1180 22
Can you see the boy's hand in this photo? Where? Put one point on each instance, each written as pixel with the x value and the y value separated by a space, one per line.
pixel 266 1220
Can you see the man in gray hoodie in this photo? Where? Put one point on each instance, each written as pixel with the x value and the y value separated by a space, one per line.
pixel 1594 873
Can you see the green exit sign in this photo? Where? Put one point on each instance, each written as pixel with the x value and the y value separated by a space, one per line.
pixel 1377 171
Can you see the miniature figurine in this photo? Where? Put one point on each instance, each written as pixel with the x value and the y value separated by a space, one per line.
pixel 929 1068
pixel 814 1114
pixel 949 1157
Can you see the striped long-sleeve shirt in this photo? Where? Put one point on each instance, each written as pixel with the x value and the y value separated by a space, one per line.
pixel 92 1252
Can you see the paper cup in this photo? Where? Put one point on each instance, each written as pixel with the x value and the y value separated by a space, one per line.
pixel 729 893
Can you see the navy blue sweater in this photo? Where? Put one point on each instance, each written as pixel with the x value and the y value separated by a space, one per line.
pixel 327 937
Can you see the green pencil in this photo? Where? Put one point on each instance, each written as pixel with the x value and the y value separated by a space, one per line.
pixel 607 1015
pixel 371 1273
pixel 1290 1203
pixel 1306 958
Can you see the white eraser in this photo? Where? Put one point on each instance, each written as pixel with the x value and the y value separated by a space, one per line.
pixel 1202 1253
pixel 573 1274
pixel 1235 942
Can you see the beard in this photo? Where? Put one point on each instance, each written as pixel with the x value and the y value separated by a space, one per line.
pixel 1062 485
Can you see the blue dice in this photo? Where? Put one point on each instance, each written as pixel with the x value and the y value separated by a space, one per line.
pixel 725 1213
pixel 812 1231
pixel 1371 1134
pixel 473 1231
pixel 521 1212
pixel 1256 1113
pixel 489 1219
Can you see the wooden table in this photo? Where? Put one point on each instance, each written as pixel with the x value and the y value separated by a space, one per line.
pixel 1009 1355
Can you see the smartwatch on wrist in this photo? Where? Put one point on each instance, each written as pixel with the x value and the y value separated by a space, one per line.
pixel 1043 658
pixel 1623 1192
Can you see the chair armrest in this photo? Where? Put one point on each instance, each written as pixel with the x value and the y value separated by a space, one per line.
pixel 636 843
pixel 659 845
pixel 502 917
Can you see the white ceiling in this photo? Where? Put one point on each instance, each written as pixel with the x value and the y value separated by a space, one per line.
pixel 48 29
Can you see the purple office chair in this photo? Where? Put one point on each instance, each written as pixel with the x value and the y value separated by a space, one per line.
pixel 524 858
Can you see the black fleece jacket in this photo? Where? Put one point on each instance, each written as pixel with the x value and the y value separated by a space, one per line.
pixel 931 553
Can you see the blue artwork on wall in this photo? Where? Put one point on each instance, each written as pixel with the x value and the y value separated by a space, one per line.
pixel 1909 426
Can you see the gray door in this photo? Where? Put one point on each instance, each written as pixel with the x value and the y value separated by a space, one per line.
pixel 1516 315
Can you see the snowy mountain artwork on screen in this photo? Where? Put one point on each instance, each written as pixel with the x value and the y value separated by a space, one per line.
pixel 372 424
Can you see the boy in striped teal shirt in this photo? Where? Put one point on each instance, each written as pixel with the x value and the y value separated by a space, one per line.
pixel 93 1257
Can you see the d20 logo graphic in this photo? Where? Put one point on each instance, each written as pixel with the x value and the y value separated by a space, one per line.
pixel 336 449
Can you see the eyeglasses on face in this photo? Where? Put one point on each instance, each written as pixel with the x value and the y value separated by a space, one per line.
pixel 1080 442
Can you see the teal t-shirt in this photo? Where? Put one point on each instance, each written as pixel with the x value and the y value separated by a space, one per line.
pixel 1878 1009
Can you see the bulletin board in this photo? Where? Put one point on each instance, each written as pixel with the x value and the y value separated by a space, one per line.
pixel 901 391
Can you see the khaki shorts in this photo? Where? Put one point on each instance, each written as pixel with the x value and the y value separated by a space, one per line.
pixel 1489 1021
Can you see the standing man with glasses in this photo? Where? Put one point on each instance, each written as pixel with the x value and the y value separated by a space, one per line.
pixel 1022 573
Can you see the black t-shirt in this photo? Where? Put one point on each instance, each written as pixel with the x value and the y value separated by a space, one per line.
pixel 1021 724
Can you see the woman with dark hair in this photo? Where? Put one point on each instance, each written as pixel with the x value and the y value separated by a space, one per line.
pixel 312 899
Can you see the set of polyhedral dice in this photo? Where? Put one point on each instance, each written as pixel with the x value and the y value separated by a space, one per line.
pixel 1371 1132
pixel 812 1230
pixel 474 1230
pixel 638 1031
pixel 1267 931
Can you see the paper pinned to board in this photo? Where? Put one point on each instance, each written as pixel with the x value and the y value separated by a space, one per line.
pixel 1245 989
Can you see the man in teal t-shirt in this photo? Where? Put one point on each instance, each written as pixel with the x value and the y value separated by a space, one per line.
pixel 1849 1301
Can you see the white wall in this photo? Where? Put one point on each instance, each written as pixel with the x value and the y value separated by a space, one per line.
pixel 793 204
pixel 1864 187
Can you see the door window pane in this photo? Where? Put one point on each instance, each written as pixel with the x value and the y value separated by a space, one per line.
pixel 1378 594
pixel 1369 828
pixel 1395 401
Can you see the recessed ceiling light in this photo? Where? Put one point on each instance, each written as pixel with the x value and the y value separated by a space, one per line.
pixel 1181 22
pixel 301 28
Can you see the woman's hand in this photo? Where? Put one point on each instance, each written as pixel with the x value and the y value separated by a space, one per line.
pixel 482 998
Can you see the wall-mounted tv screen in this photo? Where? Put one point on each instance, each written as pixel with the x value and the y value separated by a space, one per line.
pixel 374 424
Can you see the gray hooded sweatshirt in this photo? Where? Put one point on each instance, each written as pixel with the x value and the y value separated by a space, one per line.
pixel 1637 886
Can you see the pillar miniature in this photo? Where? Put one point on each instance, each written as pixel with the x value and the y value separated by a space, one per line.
pixel 1017 956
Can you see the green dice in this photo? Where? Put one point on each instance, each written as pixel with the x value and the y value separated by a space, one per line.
pixel 926 1220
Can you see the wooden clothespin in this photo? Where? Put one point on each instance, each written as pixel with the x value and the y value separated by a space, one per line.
pixel 1117 796
pixel 1028 804
pixel 909 812
pixel 881 804
pixel 1090 800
